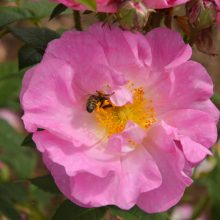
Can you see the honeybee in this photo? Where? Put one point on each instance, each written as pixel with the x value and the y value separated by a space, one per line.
pixel 98 97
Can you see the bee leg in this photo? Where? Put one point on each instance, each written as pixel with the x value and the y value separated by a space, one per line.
pixel 107 106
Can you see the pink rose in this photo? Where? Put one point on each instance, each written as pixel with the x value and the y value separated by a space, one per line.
pixel 142 140
pixel 157 4
pixel 108 6
pixel 215 5
pixel 185 211
pixel 12 118
pixel 217 2
pixel 113 5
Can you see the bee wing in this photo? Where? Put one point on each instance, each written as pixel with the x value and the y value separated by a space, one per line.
pixel 81 95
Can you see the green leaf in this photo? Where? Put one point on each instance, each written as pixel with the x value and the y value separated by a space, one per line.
pixel 216 99
pixel 46 183
pixel 27 10
pixel 39 8
pixel 7 68
pixel 212 182
pixel 10 83
pixel 70 211
pixel 6 207
pixel 35 37
pixel 28 142
pixel 91 4
pixel 28 56
pixel 11 14
pixel 137 214
pixel 14 191
pixel 57 10
pixel 22 161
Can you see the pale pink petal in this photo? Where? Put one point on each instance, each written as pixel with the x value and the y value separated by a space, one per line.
pixel 121 96
pixel 128 140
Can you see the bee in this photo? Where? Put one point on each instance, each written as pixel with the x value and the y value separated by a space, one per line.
pixel 98 97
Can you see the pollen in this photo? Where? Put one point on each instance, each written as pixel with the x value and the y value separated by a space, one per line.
pixel 115 118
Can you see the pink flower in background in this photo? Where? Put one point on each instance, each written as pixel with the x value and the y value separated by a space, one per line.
pixel 184 211
pixel 217 2
pixel 157 4
pixel 142 139
pixel 109 6
pixel 215 5
pixel 113 5
pixel 12 118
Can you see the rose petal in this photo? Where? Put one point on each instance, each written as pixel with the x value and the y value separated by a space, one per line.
pixel 197 125
pixel 49 103
pixel 163 150
pixel 117 181
pixel 163 3
pixel 193 151
pixel 185 85
pixel 167 48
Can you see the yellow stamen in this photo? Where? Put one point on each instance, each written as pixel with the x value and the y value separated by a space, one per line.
pixel 115 118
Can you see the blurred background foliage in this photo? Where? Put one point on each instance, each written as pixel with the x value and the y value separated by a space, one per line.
pixel 26 189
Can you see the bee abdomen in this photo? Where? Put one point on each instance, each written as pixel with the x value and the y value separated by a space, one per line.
pixel 91 103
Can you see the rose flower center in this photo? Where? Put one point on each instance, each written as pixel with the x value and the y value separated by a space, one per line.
pixel 114 118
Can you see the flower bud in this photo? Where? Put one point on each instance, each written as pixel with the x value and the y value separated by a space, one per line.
pixel 133 15
pixel 201 13
pixel 4 172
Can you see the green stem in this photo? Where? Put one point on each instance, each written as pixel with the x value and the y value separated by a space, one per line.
pixel 77 19
pixel 11 76
pixel 200 208
pixel 3 33
pixel 18 2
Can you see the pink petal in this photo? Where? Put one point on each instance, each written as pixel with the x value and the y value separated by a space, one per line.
pixel 48 101
pixel 195 124
pixel 182 87
pixel 208 107
pixel 114 181
pixel 167 48
pixel 171 164
pixel 217 3
pixel 102 5
pixel 193 151
pixel 163 3
pixel 128 140
pixel 133 46
pixel 97 78
pixel 68 46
